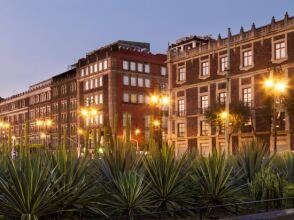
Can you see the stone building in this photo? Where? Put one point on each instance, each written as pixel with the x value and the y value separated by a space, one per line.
pixel 197 79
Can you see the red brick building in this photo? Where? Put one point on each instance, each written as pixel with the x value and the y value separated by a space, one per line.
pixel 197 67
pixel 118 79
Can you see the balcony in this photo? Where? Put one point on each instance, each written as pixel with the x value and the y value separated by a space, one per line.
pixel 180 113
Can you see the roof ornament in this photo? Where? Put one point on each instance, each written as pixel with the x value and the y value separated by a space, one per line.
pixel 286 18
pixel 273 20
pixel 219 37
pixel 253 28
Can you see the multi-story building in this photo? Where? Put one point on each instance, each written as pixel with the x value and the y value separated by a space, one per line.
pixel 14 111
pixel 48 107
pixel 197 79
pixel 113 80
pixel 39 112
pixel 118 79
pixel 64 107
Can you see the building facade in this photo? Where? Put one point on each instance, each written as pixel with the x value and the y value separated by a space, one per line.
pixel 116 80
pixel 112 81
pixel 47 107
pixel 197 80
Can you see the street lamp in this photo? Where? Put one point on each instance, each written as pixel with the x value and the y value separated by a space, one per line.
pixel 87 113
pixel 156 123
pixel 276 88
pixel 44 126
pixel 224 115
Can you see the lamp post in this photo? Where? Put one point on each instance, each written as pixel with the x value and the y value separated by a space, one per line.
pixel 137 133
pixel 159 102
pixel 44 127
pixel 88 113
pixel 277 88
pixel 228 94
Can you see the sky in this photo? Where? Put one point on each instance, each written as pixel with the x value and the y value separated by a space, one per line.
pixel 40 38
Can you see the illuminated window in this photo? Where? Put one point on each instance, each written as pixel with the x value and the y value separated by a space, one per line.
pixel 280 50
pixel 247 58
pixel 223 63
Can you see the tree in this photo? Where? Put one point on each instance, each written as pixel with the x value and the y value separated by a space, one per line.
pixel 239 115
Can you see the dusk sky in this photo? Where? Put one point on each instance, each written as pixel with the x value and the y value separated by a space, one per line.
pixel 40 38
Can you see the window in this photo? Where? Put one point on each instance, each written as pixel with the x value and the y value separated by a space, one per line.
pixel 140 67
pixel 133 81
pixel 82 72
pixel 247 58
pixel 91 69
pixel 73 87
pixel 147 83
pixel 222 97
pixel 223 63
pixel 96 83
pixel 86 85
pixel 205 68
pixel 147 68
pixel 133 66
pixel 133 98
pixel 91 83
pixel 86 71
pixel 126 80
pixel 204 102
pixel 181 107
pixel 181 129
pixel 247 96
pixel 100 81
pixel 54 93
pixel 125 119
pixel 204 128
pixel 147 119
pixel 126 97
pixel 140 82
pixel 101 98
pixel 163 70
pixel 95 67
pixel 63 89
pixel 125 65
pixel 105 64
pixel 100 66
pixel 181 74
pixel 140 98
pixel 280 50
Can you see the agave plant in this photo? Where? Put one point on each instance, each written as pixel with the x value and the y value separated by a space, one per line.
pixel 214 181
pixel 253 156
pixel 267 185
pixel 284 164
pixel 128 194
pixel 29 189
pixel 75 182
pixel 168 179
pixel 119 158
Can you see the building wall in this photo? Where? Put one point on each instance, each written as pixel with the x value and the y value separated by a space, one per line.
pixel 261 42
pixel 113 88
